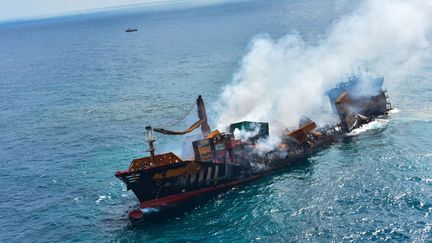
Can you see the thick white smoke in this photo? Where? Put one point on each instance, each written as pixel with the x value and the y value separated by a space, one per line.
pixel 281 80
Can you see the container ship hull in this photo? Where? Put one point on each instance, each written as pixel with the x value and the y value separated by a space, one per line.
pixel 167 192
pixel 174 183
pixel 221 161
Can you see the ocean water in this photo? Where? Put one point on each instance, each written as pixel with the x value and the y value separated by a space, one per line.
pixel 76 93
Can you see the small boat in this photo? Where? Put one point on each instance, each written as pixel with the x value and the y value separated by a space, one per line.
pixel 131 29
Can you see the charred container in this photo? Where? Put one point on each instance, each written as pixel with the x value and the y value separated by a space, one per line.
pixel 251 131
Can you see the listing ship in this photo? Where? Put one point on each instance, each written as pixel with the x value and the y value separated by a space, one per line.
pixel 222 161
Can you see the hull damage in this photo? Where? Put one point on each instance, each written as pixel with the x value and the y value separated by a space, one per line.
pixel 221 161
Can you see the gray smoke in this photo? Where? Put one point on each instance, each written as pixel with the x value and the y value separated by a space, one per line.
pixel 281 80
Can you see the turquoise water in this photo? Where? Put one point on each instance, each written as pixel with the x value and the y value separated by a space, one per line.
pixel 77 92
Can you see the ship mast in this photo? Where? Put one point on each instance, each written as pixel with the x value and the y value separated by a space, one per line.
pixel 150 139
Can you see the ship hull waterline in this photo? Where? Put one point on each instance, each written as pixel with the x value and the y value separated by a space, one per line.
pixel 173 201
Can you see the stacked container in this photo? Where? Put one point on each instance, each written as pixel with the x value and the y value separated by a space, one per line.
pixel 235 150
pixel 213 148
pixel 202 150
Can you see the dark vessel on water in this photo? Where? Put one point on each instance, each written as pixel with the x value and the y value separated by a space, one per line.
pixel 223 161
pixel 131 29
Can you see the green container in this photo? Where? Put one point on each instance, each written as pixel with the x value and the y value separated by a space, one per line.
pixel 263 128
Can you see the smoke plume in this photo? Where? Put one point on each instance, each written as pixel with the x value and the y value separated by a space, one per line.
pixel 281 80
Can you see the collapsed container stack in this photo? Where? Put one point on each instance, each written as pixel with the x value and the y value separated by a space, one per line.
pixel 213 148
pixel 224 148
pixel 253 131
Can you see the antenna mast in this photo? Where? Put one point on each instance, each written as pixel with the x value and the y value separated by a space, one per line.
pixel 150 139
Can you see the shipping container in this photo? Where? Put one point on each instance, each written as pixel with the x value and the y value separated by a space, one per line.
pixel 202 150
pixel 213 149
pixel 257 130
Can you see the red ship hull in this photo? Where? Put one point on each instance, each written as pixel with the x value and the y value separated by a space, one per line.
pixel 173 200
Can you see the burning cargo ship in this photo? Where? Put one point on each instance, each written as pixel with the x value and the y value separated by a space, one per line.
pixel 221 160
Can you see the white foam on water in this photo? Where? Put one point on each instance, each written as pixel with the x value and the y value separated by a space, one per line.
pixel 102 197
pixel 373 125
pixel 149 210
pixel 394 110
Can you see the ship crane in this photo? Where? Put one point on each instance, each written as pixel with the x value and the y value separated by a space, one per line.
pixel 202 122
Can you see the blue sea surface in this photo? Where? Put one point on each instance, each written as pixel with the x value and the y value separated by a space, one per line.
pixel 76 93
